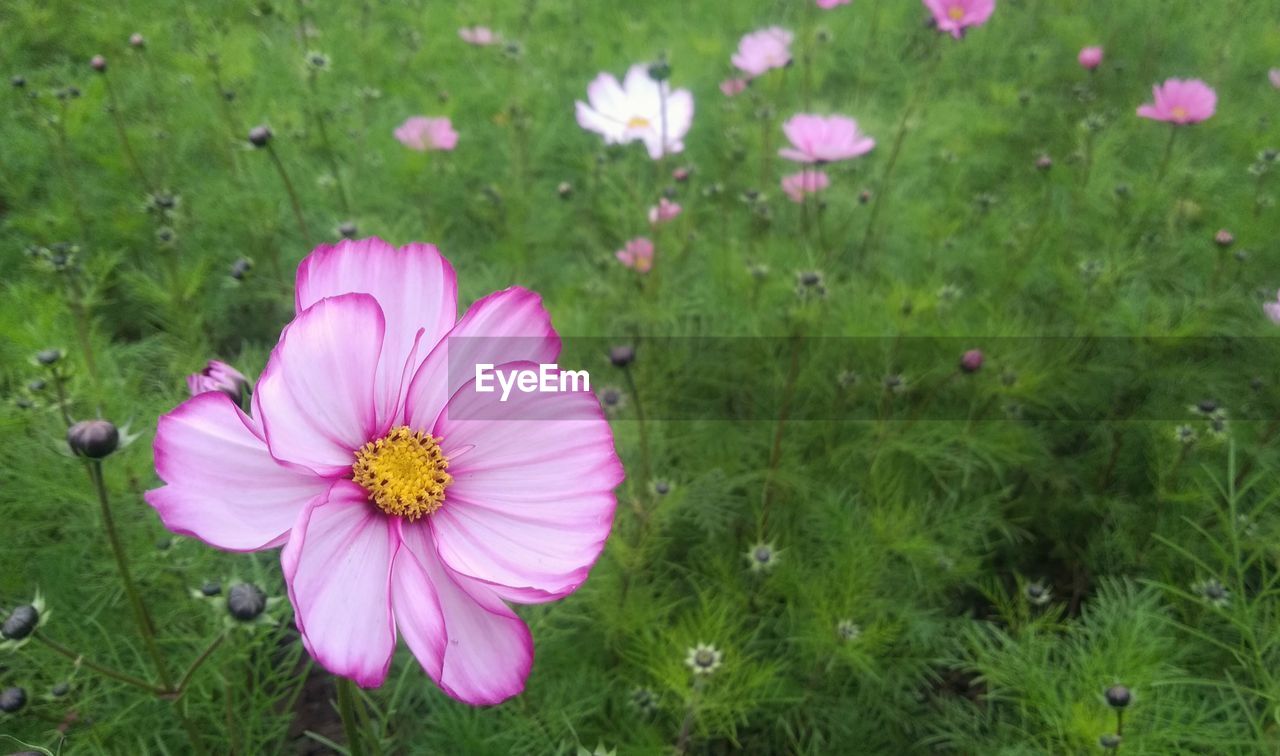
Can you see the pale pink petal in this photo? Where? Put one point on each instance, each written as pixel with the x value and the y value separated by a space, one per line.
pixel 212 456
pixel 337 565
pixel 505 326
pixel 1150 111
pixel 474 647
pixel 317 398
pixel 532 498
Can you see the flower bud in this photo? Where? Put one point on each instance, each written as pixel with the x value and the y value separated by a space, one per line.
pixel 661 487
pixel 218 376
pixel 60 690
pixel 660 71
pixel 680 175
pixel 12 700
pixel 98 63
pixel 240 268
pixel 245 601
pixel 1118 696
pixel 94 439
pixel 1109 741
pixel 211 588
pixel 48 357
pixel 137 40
pixel 1044 163
pixel 18 82
pixel 622 356
pixel 348 230
pixel 260 136
pixel 565 190
pixel 20 623
pixel 971 361
pixel 1224 238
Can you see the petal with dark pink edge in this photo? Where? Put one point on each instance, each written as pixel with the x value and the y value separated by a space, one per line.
pixel 484 653
pixel 414 285
pixel 223 485
pixel 337 565
pixel 532 500
pixel 317 393
pixel 506 326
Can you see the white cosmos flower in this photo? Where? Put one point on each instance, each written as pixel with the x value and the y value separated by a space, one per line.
pixel 623 113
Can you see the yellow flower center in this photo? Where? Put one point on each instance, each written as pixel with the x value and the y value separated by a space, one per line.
pixel 1179 112
pixel 404 473
pixel 956 13
pixel 638 122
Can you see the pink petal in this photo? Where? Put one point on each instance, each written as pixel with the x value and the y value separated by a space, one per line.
pixel 532 500
pixel 318 397
pixel 474 647
pixel 338 568
pixel 504 326
pixel 414 285
pixel 223 486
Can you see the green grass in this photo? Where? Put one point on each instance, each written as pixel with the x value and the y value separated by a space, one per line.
pixel 1102 304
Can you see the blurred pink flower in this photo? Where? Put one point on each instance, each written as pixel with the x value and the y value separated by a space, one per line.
pixel 829 4
pixel 822 139
pixel 218 376
pixel 1090 57
pixel 1273 309
pixel 664 211
pixel 633 110
pixel 763 50
pixel 421 133
pixel 1274 76
pixel 954 16
pixel 409 503
pixel 1181 102
pixel 478 35
pixel 732 87
pixel 797 185
pixel 638 254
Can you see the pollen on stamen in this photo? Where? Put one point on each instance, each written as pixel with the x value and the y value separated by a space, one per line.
pixel 404 473
pixel 638 122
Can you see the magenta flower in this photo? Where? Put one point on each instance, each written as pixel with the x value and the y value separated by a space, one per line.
pixel 634 110
pixel 408 502
pixel 1274 76
pixel 733 87
pixel 422 133
pixel 763 50
pixel 637 255
pixel 829 4
pixel 218 376
pixel 664 211
pixel 1273 309
pixel 797 185
pixel 954 16
pixel 479 36
pixel 1181 102
pixel 1090 57
pixel 823 139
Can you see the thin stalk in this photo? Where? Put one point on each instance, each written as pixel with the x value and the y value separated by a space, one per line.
pixel 346 709
pixel 1168 153
pixel 200 660
pixel 64 162
pixel 775 453
pixel 102 669
pixel 293 195
pixel 645 469
pixel 124 136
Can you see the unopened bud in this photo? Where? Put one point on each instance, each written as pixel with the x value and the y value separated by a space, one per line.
pixel 94 439
pixel 245 601
pixel 260 136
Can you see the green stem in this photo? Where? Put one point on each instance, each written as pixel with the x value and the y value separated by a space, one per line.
pixel 293 195
pixel 102 669
pixel 1168 153
pixel 775 453
pixel 346 709
pixel 200 660
pixel 124 137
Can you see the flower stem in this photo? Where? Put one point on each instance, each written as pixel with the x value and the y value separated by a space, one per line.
pixel 101 669
pixel 645 469
pixel 195 665
pixel 1168 153
pixel 346 709
pixel 775 453
pixel 293 195
pixel 124 137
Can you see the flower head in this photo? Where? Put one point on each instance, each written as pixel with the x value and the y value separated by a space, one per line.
pixel 409 503
pixel 829 4
pixel 703 659
pixel 847 630
pixel 954 16
pixel 664 211
pixel 797 185
pixel 1090 57
pixel 762 51
pixel 1274 76
pixel 1272 309
pixel 638 109
pixel 479 36
pixel 823 139
pixel 422 133
pixel 762 557
pixel 637 254
pixel 1180 101
pixel 219 376
pixel 733 87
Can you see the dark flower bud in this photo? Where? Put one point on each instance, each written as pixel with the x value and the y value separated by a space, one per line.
pixel 12 700
pixel 18 82
pixel 565 190
pixel 661 487
pixel 48 357
pixel 246 601
pixel 260 136
pixel 211 588
pixel 971 361
pixel 1109 741
pixel 137 40
pixel 1224 238
pixel 621 356
pixel 348 230
pixel 1044 163
pixel 94 439
pixel 73 92
pixel 681 174
pixel 660 71
pixel 864 196
pixel 60 690
pixel 164 543
pixel 1118 696
pixel 240 268
pixel 20 623
pixel 610 397
pixel 1207 406
pixel 38 385
pixel 98 63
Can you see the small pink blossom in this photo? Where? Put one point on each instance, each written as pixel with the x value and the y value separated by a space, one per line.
pixel 479 36
pixel 797 185
pixel 732 87
pixel 1090 57
pixel 954 16
pixel 422 133
pixel 1273 309
pixel 1274 76
pixel 1181 102
pixel 763 50
pixel 637 255
pixel 829 4
pixel 218 376
pixel 664 211
pixel 823 139
pixel 137 40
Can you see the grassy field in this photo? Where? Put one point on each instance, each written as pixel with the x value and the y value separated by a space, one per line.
pixel 963 561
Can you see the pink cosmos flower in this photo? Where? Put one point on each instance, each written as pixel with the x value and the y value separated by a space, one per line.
pixel 634 110
pixel 1090 57
pixel 822 139
pixel 664 211
pixel 408 502
pixel 797 185
pixel 763 50
pixel 733 87
pixel 1181 102
pixel 1274 76
pixel 829 4
pixel 637 255
pixel 954 16
pixel 1273 309
pixel 421 133
pixel 479 36
pixel 218 376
